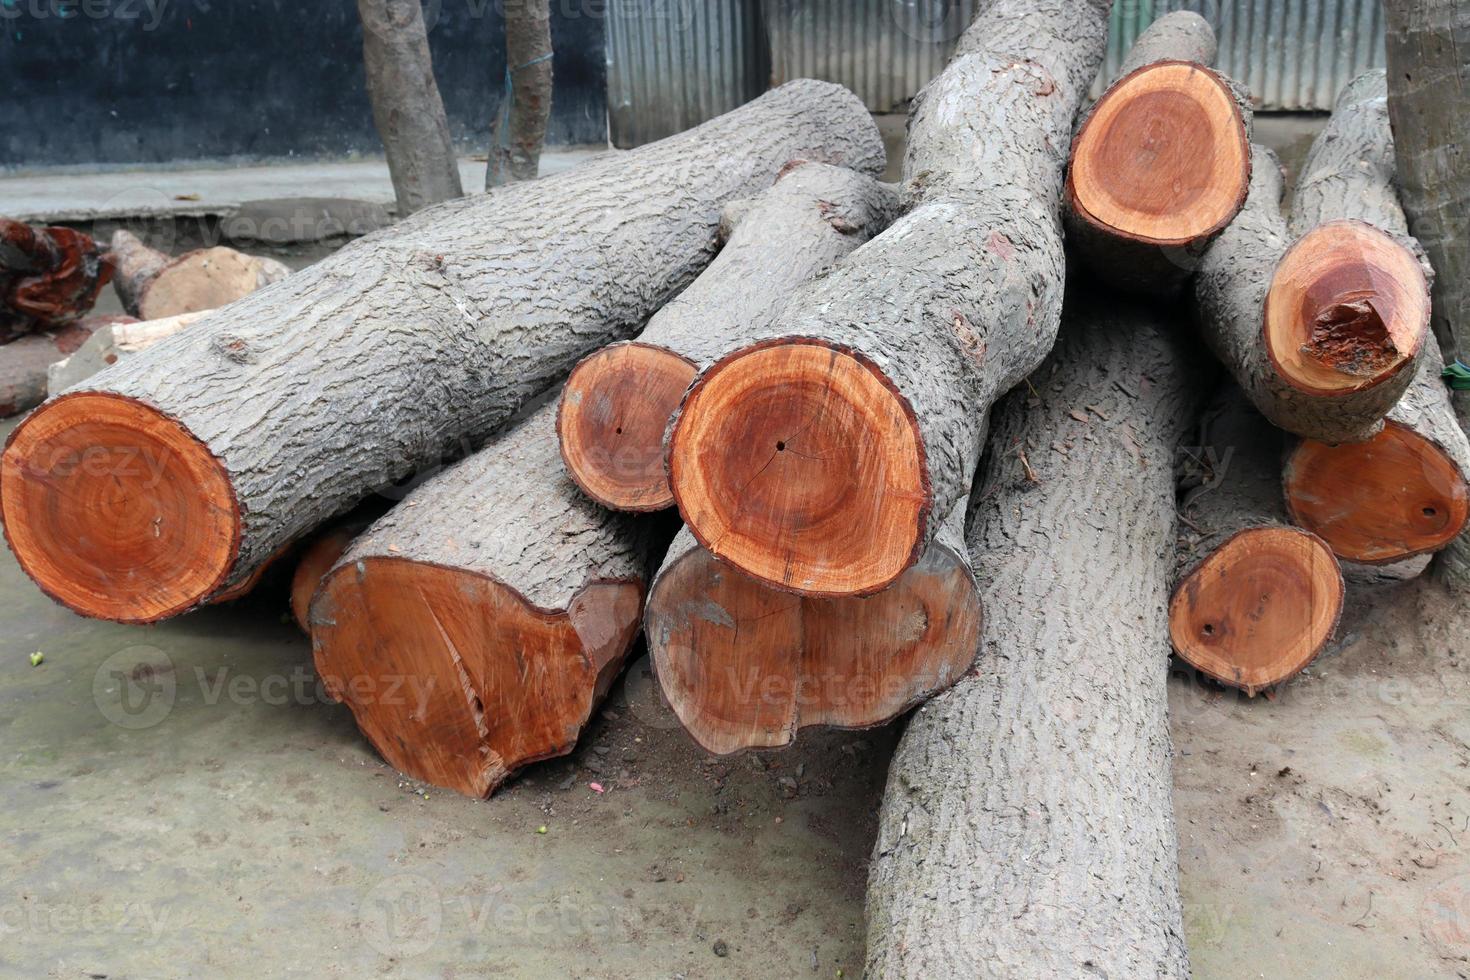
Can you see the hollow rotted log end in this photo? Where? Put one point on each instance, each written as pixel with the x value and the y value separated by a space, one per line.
pixel 1379 501
pixel 1256 611
pixel 798 462
pixel 1348 309
pixel 116 510
pixel 614 412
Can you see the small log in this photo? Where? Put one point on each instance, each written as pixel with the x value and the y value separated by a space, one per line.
pixel 49 278
pixel 500 601
pixel 1027 828
pixel 1257 599
pixel 1161 163
pixel 617 403
pixel 153 286
pixel 822 458
pixel 1404 491
pixel 110 343
pixel 745 666
pixel 25 361
pixel 1321 333
pixel 281 410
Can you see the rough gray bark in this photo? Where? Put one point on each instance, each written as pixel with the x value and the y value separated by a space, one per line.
pixel 25 361
pixel 961 298
pixel 407 108
pixel 775 243
pixel 1429 103
pixel 1181 35
pixel 541 607
pixel 517 136
pixel 1028 827
pixel 1125 262
pixel 1229 298
pixel 404 344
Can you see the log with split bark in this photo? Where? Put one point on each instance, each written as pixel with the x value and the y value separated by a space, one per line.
pixel 49 278
pixel 1402 492
pixel 747 666
pixel 1027 828
pixel 617 403
pixel 1257 599
pixel 155 286
pixel 268 417
pixel 822 458
pixel 474 628
pixel 1161 163
pixel 1322 333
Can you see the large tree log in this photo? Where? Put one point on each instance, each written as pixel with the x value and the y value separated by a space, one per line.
pixel 49 277
pixel 822 459
pixel 1429 103
pixel 212 451
pixel 407 109
pixel 1321 333
pixel 1028 826
pixel 25 361
pixel 153 286
pixel 1257 599
pixel 746 666
pixel 1161 163
pixel 517 136
pixel 1403 492
pixel 617 403
pixel 499 598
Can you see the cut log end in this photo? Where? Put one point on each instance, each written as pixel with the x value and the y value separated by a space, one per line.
pixel 614 412
pixel 204 280
pixel 116 510
pixel 1259 609
pixel 454 677
pixel 799 463
pixel 1163 158
pixel 746 667
pixel 1348 309
pixel 1379 501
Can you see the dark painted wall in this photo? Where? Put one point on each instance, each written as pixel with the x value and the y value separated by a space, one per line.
pixel 146 81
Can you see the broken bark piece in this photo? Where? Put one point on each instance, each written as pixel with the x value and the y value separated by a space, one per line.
pixel 153 286
pixel 1402 492
pixel 25 361
pixel 745 666
pixel 822 458
pixel 387 357
pixel 1257 599
pixel 1322 333
pixel 1027 828
pixel 498 599
pixel 617 403
pixel 49 278
pixel 110 343
pixel 1162 161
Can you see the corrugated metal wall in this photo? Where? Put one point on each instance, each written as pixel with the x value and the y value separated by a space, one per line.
pixel 675 63
pixel 672 64
pixel 1294 54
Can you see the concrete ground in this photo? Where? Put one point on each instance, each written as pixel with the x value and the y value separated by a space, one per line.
pixel 183 801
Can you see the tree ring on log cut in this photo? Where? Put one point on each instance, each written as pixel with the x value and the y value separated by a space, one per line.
pixel 1259 609
pixel 798 462
pixel 1348 309
pixel 117 510
pixel 745 666
pixel 614 412
pixel 1163 158
pixel 1379 501
pixel 457 679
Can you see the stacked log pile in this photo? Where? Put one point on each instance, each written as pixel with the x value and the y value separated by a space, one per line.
pixel 915 465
